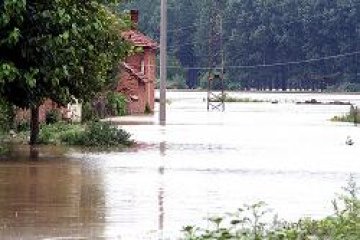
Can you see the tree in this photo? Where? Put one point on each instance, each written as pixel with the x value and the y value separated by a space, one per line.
pixel 58 50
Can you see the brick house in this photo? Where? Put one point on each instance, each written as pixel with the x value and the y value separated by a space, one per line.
pixel 137 76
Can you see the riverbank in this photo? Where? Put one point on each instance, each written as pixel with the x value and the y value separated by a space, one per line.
pixel 264 92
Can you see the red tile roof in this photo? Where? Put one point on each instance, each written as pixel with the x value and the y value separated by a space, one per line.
pixel 139 39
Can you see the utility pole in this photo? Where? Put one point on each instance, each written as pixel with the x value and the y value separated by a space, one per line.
pixel 163 62
pixel 215 91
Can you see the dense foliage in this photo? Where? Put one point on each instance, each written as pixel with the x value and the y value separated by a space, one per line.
pixel 110 104
pixel 60 50
pixel 264 35
pixel 6 116
pixel 93 134
pixel 248 223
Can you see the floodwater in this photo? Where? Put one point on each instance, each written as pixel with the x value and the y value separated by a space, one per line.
pixel 201 164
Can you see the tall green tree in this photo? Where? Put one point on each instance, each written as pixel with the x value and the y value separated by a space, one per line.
pixel 60 50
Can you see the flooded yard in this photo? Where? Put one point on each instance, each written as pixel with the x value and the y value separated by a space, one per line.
pixel 202 163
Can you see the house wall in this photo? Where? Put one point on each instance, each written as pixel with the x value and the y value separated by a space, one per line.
pixel 135 61
pixel 150 73
pixel 131 86
pixel 72 112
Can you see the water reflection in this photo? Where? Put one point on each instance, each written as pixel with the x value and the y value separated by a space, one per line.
pixel 161 191
pixel 44 199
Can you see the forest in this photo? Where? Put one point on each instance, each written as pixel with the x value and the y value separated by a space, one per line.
pixel 266 44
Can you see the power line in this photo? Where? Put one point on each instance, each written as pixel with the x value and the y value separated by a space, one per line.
pixel 311 60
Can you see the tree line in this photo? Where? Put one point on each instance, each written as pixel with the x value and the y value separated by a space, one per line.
pixel 268 44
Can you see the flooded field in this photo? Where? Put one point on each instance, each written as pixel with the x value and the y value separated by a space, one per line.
pixel 202 163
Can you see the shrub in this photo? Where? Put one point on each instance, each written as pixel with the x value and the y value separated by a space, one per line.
pixel 96 134
pixel 53 116
pixel 23 126
pixel 53 133
pixel 3 150
pixel 6 116
pixel 104 134
pixel 116 104
pixel 88 113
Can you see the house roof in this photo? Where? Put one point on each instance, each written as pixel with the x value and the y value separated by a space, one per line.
pixel 139 39
pixel 139 75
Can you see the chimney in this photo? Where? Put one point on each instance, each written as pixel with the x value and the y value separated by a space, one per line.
pixel 134 14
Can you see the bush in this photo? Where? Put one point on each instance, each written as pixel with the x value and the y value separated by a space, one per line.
pixel 88 113
pixel 94 134
pixel 23 126
pixel 53 116
pixel 111 104
pixel 53 133
pixel 2 150
pixel 103 134
pixel 116 104
pixel 6 116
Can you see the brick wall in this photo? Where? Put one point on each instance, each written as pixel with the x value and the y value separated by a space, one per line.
pixel 139 93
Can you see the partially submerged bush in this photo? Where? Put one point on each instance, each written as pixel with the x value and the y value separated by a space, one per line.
pixel 99 134
pixel 353 116
pixel 93 134
pixel 246 223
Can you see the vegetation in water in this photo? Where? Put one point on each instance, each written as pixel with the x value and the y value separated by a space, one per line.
pixel 353 116
pixel 249 223
pixel 92 134
pixel 227 98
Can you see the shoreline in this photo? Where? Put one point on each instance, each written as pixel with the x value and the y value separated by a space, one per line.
pixel 262 92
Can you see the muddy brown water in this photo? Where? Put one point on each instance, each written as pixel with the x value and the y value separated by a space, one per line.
pixel 199 165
